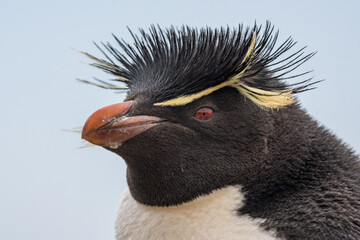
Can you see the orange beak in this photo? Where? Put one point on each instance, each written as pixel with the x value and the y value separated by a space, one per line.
pixel 110 127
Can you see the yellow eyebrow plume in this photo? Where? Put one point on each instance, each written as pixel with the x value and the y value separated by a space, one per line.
pixel 183 100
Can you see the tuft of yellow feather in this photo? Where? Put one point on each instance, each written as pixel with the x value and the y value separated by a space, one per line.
pixel 268 99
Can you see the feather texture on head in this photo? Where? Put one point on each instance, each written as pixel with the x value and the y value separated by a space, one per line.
pixel 177 66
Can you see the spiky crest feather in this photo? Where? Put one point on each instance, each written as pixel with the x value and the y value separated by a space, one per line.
pixel 178 66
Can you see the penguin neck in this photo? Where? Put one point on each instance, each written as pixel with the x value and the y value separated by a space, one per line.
pixel 301 155
pixel 306 164
pixel 289 148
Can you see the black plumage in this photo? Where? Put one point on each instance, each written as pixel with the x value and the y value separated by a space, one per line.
pixel 295 174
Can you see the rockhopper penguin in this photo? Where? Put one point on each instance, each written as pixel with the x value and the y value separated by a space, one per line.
pixel 216 145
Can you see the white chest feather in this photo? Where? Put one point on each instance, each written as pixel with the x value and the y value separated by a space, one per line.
pixel 210 217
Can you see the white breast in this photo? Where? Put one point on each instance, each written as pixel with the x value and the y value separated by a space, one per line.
pixel 209 217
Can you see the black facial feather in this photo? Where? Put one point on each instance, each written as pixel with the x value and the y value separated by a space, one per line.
pixel 169 63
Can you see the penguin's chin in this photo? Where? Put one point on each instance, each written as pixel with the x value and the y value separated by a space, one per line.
pixel 154 188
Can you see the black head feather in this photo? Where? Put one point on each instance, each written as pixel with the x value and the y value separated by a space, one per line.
pixel 170 63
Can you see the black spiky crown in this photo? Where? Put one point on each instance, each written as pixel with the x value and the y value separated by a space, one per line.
pixel 170 63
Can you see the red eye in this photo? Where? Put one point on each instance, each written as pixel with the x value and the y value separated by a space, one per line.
pixel 204 114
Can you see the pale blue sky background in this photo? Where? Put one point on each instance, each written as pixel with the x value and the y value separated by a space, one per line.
pixel 50 189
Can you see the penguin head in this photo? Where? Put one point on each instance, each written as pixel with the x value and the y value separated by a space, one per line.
pixel 198 110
